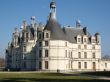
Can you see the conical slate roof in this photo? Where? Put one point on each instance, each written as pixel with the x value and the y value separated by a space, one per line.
pixel 55 29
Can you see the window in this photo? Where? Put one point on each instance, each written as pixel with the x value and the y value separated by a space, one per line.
pixel 85 54
pixel 70 64
pixel 24 58
pixel 71 54
pixel 79 65
pixel 40 36
pixel 93 40
pixel 40 44
pixel 93 55
pixel 40 65
pixel 94 66
pixel 46 64
pixel 66 53
pixel 24 48
pixel 85 40
pixel 85 46
pixel 46 53
pixel 46 43
pixel 106 65
pixel 79 54
pixel 47 35
pixel 65 43
pixel 93 47
pixel 79 46
pixel 24 64
pixel 85 65
pixel 79 39
pixel 40 53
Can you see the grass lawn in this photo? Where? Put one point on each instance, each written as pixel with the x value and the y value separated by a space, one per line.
pixel 47 77
pixel 99 73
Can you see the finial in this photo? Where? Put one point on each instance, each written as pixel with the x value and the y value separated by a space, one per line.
pixel 53 10
pixel 33 18
pixel 24 24
pixel 53 4
pixel 78 23
pixel 33 21
pixel 16 29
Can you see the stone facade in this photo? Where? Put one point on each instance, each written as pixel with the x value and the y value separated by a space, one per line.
pixel 52 48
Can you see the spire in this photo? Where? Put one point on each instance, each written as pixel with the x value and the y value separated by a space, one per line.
pixel 53 10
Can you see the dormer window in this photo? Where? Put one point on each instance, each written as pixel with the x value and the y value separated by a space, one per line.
pixel 40 36
pixel 85 40
pixel 93 40
pixel 79 39
pixel 93 47
pixel 47 35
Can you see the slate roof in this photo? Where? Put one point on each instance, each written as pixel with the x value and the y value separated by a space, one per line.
pixel 56 32
pixel 68 34
pixel 71 33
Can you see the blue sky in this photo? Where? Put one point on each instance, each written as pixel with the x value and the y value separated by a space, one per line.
pixel 95 14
